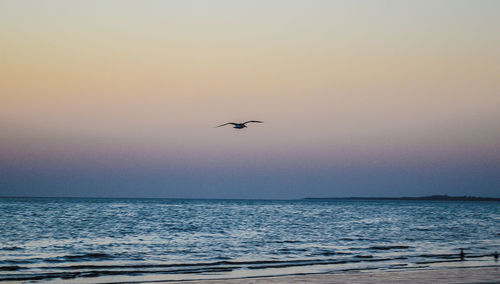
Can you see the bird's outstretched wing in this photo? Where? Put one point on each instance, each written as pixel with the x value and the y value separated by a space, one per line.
pixel 226 124
pixel 256 121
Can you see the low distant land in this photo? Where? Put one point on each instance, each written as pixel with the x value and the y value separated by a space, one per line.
pixel 425 198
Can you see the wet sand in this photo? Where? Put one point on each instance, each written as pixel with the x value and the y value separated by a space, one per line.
pixel 452 275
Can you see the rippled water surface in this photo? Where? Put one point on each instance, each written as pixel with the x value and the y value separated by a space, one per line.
pixel 106 240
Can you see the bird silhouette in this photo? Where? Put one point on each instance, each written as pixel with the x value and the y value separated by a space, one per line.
pixel 240 125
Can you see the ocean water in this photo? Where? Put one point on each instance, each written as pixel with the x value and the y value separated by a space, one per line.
pixel 112 240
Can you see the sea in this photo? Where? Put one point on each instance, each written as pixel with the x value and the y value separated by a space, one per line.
pixel 107 240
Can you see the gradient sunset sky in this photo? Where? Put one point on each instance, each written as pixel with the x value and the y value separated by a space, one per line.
pixel 359 98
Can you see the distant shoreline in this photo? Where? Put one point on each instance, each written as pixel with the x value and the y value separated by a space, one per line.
pixel 423 198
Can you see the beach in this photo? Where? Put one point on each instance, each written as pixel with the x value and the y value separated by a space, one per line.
pixel 451 275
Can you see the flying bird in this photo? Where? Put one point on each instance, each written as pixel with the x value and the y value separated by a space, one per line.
pixel 240 125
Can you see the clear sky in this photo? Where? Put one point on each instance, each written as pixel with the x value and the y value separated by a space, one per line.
pixel 359 98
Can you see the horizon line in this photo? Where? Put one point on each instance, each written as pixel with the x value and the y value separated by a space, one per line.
pixel 428 197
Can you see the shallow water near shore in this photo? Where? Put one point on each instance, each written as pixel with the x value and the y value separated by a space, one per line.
pixel 105 240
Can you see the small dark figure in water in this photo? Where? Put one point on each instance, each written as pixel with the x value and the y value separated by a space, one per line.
pixel 462 254
pixel 495 255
